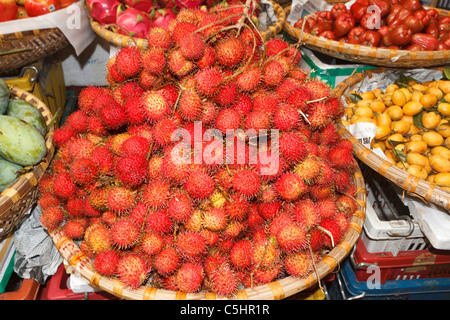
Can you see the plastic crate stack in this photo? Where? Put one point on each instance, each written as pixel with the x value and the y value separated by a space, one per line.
pixel 392 259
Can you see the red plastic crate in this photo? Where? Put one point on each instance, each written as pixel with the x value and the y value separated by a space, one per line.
pixel 407 265
pixel 56 289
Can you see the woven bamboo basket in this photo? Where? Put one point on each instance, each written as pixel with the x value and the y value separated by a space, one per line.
pixel 120 40
pixel 276 290
pixel 21 195
pixel 369 55
pixel 30 46
pixel 411 184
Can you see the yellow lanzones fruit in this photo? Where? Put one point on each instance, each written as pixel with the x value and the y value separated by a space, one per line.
pixel 436 92
pixel 390 155
pixel 419 146
pixel 447 97
pixel 377 92
pixel 428 100
pixel 384 120
pixel 387 99
pixel 416 96
pixel 363 110
pixel 417 158
pixel 418 87
pixel 369 95
pixel 444 130
pixel 377 106
pixel 401 126
pixel 444 85
pixel 431 119
pixel 412 108
pixel 391 88
pixel 444 108
pixel 442 151
pixel 417 171
pixel 442 179
pixel 395 112
pixel 394 139
pixel 432 138
pixel 399 98
pixel 378 144
pixel 439 163
pixel 382 132
pixel 408 94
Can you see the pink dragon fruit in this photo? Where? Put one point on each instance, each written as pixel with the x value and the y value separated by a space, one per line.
pixel 103 11
pixel 142 5
pixel 189 3
pixel 162 17
pixel 132 22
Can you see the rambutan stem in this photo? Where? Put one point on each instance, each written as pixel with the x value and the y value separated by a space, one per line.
pixel 314 267
pixel 328 233
pixel 304 116
pixel 259 263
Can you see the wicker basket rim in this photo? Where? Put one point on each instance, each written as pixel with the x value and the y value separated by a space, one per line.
pixel 413 185
pixel 275 290
pixel 367 51
pixel 18 189
pixel 124 40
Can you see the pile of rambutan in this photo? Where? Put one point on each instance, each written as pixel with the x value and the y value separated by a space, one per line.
pixel 186 211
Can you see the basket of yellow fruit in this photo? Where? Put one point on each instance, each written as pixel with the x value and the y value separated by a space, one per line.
pixel 402 120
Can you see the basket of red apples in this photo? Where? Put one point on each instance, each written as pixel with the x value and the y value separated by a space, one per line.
pixel 390 33
pixel 18 49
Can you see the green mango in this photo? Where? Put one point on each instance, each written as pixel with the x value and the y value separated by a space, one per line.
pixel 20 142
pixel 4 96
pixel 21 109
pixel 8 173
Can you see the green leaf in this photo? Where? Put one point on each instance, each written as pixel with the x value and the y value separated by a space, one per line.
pixel 417 120
pixel 401 156
pixel 447 73
pixel 403 80
pixel 354 97
pixel 394 143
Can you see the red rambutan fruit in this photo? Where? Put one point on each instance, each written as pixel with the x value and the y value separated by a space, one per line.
pixel 239 254
pixel 154 60
pixel 77 121
pixel 290 187
pixel 318 88
pixel 105 262
pixel 292 146
pixel 305 213
pixel 292 237
pixel 298 264
pixel 191 245
pixel 132 169
pixel 62 135
pixel 228 119
pixel 246 182
pixel 192 46
pixel 274 46
pixel 128 62
pixel 190 277
pixel 199 184
pixel 75 207
pixel 132 270
pixel 229 52
pixel 257 120
pixel 179 65
pixel 163 131
pixel 299 97
pixel 159 37
pixel 156 193
pixel 224 281
pixel 159 222
pixel 120 199
pixel 265 253
pixel 74 229
pixel 83 171
pixel 179 207
pixel 215 219
pixel 208 80
pixel 274 73
pixel 286 118
pixel 152 243
pixel 250 79
pixel 52 217
pixel 98 237
pixel 125 233
pixel 155 106
pixel 190 105
pixel 63 186
pixel 166 261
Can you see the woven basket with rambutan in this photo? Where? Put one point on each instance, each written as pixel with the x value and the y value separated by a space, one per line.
pixel 210 164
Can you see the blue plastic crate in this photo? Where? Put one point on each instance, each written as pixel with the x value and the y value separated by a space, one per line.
pixel 347 287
